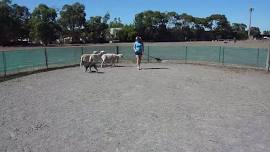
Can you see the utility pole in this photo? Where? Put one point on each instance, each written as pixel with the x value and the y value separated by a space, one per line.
pixel 250 12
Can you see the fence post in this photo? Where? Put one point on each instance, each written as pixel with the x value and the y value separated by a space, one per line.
pixel 223 50
pixel 117 52
pixel 82 50
pixel 186 55
pixel 268 59
pixel 148 55
pixel 117 49
pixel 219 54
pixel 5 64
pixel 258 55
pixel 46 58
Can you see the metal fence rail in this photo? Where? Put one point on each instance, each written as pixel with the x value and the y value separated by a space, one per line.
pixel 17 61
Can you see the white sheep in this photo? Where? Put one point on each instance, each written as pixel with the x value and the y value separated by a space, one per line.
pixel 86 57
pixel 96 57
pixel 110 58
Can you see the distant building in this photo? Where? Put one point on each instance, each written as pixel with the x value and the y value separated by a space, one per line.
pixel 266 37
pixel 67 40
pixel 114 31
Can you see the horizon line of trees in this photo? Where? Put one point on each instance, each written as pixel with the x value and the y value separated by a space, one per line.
pixel 44 26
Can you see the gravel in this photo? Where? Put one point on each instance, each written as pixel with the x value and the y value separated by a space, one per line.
pixel 164 107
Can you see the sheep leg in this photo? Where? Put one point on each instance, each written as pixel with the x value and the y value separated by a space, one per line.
pixel 86 67
pixel 101 65
pixel 90 69
pixel 81 62
pixel 113 62
pixel 95 66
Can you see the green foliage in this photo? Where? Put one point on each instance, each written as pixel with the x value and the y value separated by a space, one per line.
pixel 5 23
pixel 255 32
pixel 73 20
pixel 5 2
pixel 106 17
pixel 43 24
pixel 127 34
pixel 96 30
pixel 152 25
pixel 170 26
pixel 116 23
pixel 266 33
pixel 239 31
pixel 13 22
pixel 220 26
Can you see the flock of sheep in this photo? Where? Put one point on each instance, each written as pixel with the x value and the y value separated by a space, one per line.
pixel 91 60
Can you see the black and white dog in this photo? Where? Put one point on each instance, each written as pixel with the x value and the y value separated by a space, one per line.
pixel 89 65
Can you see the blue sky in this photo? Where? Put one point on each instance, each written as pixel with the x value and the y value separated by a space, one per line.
pixel 235 10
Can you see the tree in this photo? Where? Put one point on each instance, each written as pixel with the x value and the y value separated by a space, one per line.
pixel 43 24
pixel 266 33
pixel 73 20
pixel 21 16
pixel 187 24
pixel 96 29
pixel 255 32
pixel 106 17
pixel 127 34
pixel 220 26
pixel 116 23
pixel 170 26
pixel 5 2
pixel 5 22
pixel 152 25
pixel 199 32
pixel 239 31
pixel 13 22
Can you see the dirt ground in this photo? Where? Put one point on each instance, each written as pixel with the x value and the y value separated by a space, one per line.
pixel 164 107
pixel 245 44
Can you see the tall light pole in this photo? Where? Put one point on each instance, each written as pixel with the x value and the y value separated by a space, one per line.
pixel 250 12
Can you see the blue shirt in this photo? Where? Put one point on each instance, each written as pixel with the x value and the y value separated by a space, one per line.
pixel 138 47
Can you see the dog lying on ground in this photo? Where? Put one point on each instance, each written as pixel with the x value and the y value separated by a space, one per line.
pixel 89 65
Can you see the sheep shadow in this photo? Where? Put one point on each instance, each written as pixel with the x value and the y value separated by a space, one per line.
pixel 116 66
pixel 123 66
pixel 99 72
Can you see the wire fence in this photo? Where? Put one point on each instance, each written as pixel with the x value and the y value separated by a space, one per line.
pixel 18 61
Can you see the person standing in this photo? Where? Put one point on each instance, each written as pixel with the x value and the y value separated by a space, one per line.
pixel 138 50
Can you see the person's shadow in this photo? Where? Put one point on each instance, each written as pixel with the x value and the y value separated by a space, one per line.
pixel 155 68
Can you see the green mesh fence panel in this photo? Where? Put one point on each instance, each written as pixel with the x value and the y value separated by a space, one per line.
pixel 203 53
pixel 25 60
pixel 128 53
pixel 34 59
pixel 107 49
pixel 262 58
pixel 167 52
pixel 58 57
pixel 240 56
pixel 2 68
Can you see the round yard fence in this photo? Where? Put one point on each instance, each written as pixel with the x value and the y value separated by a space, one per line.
pixel 29 60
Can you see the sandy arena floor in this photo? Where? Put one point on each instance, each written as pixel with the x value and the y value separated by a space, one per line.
pixel 164 107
